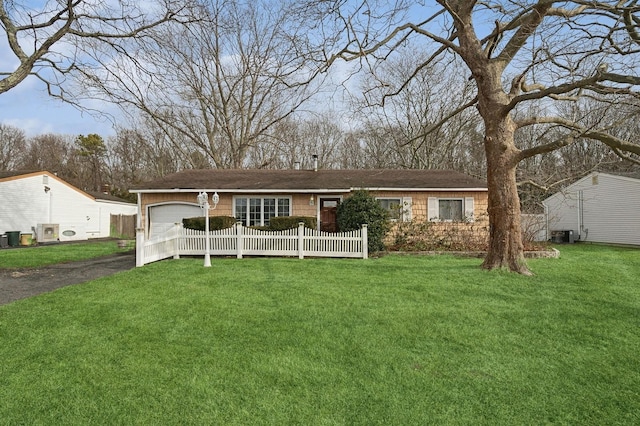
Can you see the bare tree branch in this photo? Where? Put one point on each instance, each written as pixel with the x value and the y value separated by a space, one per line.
pixel 527 26
pixel 217 88
pixel 444 119
pixel 578 131
pixel 33 33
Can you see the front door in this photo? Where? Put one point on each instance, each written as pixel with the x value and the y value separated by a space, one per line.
pixel 328 214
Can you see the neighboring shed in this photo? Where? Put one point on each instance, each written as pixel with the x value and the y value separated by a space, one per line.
pixel 600 207
pixel 41 202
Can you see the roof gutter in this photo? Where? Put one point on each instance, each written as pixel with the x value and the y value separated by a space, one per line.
pixel 299 191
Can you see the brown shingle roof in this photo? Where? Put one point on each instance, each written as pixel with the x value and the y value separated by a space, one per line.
pixel 107 197
pixel 297 180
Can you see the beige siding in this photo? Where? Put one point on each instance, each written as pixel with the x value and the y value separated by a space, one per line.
pixel 419 201
pixel 300 202
pixel 301 205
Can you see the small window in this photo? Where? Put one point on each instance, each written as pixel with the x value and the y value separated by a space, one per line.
pixel 450 210
pixel 393 206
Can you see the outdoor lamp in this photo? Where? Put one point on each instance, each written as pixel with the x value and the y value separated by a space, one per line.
pixel 203 201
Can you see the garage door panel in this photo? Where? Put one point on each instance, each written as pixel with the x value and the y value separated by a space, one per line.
pixel 162 218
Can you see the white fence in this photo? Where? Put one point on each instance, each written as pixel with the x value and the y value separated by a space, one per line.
pixel 241 241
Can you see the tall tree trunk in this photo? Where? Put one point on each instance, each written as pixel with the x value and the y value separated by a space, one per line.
pixel 506 249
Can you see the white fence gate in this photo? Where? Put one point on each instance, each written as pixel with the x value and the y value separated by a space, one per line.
pixel 241 241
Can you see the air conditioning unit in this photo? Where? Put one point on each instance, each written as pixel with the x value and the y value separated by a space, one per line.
pixel 47 232
pixel 562 237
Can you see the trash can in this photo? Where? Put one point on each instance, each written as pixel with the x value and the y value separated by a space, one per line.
pixel 26 239
pixel 4 241
pixel 13 237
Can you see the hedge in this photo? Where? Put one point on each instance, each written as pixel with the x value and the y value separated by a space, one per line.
pixel 280 223
pixel 215 223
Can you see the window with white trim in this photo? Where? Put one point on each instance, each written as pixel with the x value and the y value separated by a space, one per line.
pixel 399 208
pixel 450 209
pixel 258 211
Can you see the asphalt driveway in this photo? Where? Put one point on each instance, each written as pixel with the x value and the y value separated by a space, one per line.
pixel 16 284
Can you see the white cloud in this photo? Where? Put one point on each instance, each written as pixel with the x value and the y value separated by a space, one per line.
pixel 31 126
pixel 34 112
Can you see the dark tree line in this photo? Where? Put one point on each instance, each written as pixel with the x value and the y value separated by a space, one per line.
pixel 133 156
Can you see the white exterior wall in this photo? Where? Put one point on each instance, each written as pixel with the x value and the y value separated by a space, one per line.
pixel 562 212
pixel 598 208
pixel 24 204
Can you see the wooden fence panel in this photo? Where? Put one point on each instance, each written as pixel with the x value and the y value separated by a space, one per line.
pixel 123 226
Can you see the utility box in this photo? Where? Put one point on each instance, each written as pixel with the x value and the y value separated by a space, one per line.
pixel 562 237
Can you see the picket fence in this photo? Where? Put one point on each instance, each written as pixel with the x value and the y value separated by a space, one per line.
pixel 242 241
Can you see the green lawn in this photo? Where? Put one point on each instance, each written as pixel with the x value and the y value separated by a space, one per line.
pixel 38 256
pixel 397 340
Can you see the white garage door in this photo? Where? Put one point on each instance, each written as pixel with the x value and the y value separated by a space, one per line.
pixel 162 218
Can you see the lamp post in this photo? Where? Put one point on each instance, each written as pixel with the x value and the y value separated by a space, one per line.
pixel 203 201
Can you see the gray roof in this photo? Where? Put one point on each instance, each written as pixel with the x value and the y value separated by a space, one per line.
pixel 299 180
pixel 107 197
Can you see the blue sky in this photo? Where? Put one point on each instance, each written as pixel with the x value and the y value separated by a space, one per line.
pixel 28 107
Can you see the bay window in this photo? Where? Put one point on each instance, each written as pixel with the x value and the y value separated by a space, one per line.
pixel 258 211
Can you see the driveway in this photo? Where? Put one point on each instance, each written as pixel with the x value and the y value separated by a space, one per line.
pixel 18 284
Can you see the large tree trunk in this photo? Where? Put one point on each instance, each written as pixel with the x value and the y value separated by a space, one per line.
pixel 506 250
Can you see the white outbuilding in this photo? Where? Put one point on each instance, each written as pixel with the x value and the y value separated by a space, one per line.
pixel 50 209
pixel 600 208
